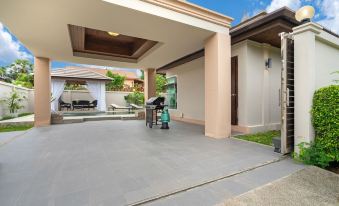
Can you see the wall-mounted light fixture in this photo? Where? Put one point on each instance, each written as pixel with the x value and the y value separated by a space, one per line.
pixel 305 14
pixel 268 63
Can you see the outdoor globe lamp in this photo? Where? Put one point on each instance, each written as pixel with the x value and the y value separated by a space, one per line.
pixel 305 14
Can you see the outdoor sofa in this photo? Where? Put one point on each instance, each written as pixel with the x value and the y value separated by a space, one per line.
pixel 84 104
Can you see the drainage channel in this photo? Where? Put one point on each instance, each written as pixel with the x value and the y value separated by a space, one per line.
pixel 172 193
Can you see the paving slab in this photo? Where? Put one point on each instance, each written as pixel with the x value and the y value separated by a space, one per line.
pixel 309 186
pixel 121 162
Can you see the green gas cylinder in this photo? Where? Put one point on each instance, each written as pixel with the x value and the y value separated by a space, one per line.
pixel 165 118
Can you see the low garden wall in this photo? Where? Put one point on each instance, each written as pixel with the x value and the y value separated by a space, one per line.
pixel 68 96
pixel 112 97
pixel 28 103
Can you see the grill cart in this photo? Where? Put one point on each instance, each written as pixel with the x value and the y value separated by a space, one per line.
pixel 154 105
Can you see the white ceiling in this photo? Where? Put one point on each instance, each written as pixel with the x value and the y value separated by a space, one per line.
pixel 41 25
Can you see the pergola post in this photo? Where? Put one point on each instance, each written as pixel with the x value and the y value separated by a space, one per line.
pixel 149 83
pixel 42 92
pixel 218 86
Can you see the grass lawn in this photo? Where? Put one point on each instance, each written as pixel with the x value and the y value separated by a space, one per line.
pixel 13 128
pixel 261 138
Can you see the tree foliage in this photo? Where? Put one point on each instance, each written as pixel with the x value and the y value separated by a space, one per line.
pixel 117 82
pixel 325 119
pixel 160 81
pixel 135 98
pixel 24 80
pixel 19 66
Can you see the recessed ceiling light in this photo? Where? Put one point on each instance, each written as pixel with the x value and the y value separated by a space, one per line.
pixel 113 33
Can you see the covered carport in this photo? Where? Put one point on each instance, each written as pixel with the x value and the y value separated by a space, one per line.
pixel 144 34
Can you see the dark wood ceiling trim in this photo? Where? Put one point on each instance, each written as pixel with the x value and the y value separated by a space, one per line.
pixel 276 23
pixel 97 44
pixel 77 34
pixel 181 61
pixel 143 48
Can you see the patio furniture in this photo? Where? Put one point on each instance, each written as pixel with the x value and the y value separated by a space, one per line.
pixel 82 104
pixel 153 106
pixel 116 107
pixel 93 104
pixel 63 104
pixel 135 107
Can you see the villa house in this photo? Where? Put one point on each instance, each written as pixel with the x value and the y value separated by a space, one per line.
pixel 226 78
pixel 255 79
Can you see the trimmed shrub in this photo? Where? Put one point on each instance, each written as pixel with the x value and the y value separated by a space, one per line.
pixel 135 98
pixel 325 119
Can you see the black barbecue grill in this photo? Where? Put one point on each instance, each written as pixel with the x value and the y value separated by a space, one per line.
pixel 154 105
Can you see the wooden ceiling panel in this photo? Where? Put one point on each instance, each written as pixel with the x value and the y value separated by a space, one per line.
pixel 91 41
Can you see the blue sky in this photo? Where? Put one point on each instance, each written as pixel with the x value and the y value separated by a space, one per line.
pixel 327 14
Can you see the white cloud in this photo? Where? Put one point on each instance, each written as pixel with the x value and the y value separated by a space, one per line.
pixel 330 9
pixel 277 4
pixel 9 48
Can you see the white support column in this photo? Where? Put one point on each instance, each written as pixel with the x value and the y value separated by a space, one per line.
pixel 304 80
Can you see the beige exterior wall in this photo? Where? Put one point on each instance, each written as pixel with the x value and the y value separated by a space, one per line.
pixel 28 103
pixel 191 90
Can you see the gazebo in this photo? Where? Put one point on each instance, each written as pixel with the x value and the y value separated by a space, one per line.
pixel 95 84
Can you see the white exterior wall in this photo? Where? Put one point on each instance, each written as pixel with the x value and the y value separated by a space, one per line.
pixel 258 96
pixel 327 62
pixel 316 57
pixel 190 90
pixel 28 103
pixel 258 87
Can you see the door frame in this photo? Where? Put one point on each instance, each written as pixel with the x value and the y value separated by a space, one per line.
pixel 234 90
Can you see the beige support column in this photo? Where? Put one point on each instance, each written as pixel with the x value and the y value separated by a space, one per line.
pixel 149 83
pixel 304 81
pixel 218 86
pixel 42 92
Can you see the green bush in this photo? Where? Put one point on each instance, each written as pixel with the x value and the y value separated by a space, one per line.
pixel 135 98
pixel 325 119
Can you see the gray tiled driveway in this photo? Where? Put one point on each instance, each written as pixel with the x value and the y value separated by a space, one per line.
pixel 116 163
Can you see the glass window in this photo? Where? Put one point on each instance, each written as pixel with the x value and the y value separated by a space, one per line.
pixel 172 92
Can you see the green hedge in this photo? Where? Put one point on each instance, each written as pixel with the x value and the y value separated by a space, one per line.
pixel 325 119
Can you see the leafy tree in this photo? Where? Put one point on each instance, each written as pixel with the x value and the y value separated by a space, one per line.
pixel 117 82
pixel 160 83
pixel 19 66
pixel 24 80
